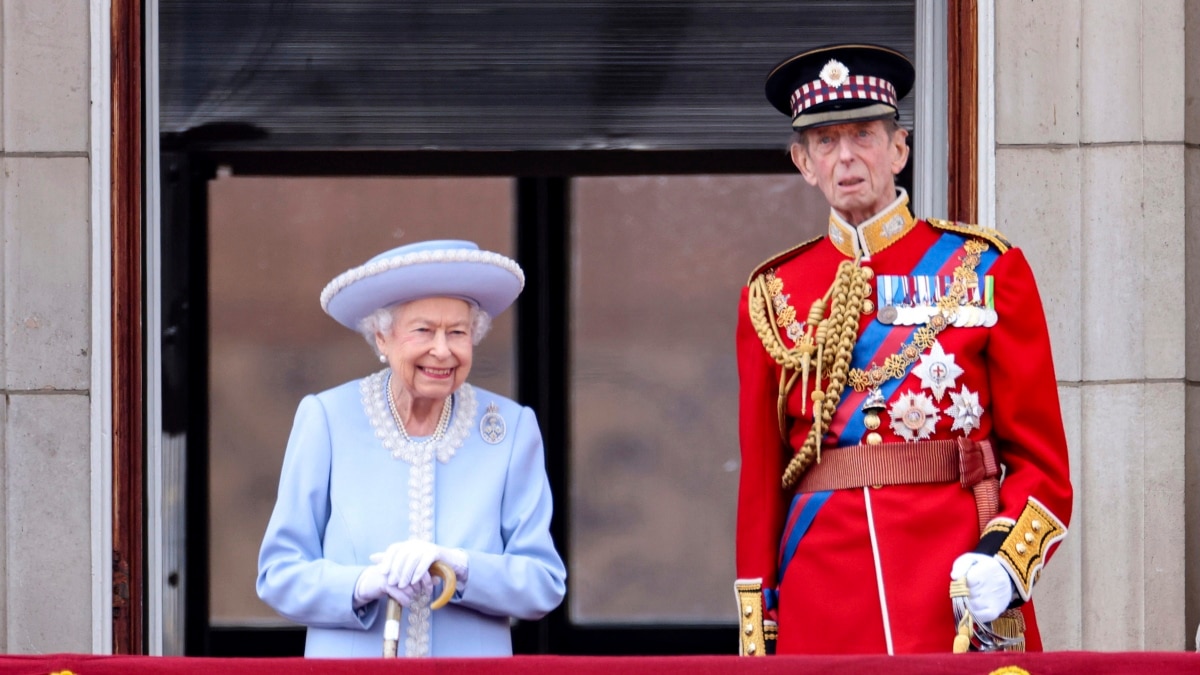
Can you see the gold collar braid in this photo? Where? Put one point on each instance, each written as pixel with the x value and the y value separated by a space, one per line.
pixel 830 338
pixel 874 234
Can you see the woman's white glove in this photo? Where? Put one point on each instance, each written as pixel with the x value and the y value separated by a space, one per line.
pixel 407 562
pixel 988 583
pixel 372 585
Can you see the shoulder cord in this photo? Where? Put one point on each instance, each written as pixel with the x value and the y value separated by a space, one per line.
pixel 832 338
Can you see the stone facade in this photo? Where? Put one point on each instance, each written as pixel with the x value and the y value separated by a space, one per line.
pixel 1097 129
pixel 46 513
pixel 1096 170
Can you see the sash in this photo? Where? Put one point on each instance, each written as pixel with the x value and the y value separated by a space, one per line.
pixel 801 513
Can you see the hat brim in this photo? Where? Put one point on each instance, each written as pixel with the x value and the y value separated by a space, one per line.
pixel 859 113
pixel 493 282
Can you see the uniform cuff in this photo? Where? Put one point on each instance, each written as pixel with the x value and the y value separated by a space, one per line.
pixel 1023 545
pixel 756 635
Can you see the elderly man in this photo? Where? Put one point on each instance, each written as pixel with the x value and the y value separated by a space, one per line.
pixel 899 420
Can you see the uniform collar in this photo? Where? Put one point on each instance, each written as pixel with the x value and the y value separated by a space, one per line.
pixel 876 233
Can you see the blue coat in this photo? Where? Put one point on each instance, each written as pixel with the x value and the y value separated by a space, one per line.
pixel 343 496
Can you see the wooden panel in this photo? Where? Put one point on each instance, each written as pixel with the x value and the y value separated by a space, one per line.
pixel 127 442
pixel 962 47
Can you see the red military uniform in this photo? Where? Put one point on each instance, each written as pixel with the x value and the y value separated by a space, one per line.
pixel 865 568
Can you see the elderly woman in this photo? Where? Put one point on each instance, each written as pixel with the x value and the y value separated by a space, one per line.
pixel 386 475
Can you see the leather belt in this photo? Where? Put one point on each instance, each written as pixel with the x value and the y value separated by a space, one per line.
pixel 967 462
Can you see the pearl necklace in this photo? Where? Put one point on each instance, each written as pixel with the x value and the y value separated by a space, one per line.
pixel 438 432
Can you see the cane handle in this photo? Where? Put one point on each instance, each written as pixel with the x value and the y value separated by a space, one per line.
pixel 391 626
pixel 449 583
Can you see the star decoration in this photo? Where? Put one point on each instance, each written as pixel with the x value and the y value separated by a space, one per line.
pixel 937 371
pixel 966 410
pixel 914 416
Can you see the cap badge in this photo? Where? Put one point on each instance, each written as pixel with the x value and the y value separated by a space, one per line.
pixel 492 426
pixel 835 73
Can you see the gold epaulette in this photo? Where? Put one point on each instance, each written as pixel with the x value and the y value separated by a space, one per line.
pixel 980 231
pixel 780 257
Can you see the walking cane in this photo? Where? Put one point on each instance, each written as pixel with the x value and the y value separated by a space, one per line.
pixel 391 627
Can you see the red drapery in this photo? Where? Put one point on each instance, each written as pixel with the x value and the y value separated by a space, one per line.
pixel 1053 663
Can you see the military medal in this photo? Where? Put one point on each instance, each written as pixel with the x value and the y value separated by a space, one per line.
pixel 889 295
pixel 871 408
pixel 965 411
pixel 989 301
pixel 914 416
pixel 968 317
pixel 937 370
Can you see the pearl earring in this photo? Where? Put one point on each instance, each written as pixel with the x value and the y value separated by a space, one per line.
pixel 382 358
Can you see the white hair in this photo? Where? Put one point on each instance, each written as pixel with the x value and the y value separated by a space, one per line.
pixel 380 321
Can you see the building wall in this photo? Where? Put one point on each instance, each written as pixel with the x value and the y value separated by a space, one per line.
pixel 1191 221
pixel 45 362
pixel 1090 103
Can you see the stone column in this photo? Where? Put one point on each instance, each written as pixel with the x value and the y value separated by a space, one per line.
pixel 45 455
pixel 1091 184
pixel 1191 155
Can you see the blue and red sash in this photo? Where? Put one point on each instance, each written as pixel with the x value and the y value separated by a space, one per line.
pixel 803 510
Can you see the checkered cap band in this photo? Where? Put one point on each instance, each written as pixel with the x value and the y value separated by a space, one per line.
pixel 855 88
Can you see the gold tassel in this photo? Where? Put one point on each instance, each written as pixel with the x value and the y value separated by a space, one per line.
pixel 962 641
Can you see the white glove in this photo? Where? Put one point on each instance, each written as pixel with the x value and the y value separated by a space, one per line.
pixel 456 558
pixel 372 585
pixel 407 561
pixel 406 594
pixel 988 583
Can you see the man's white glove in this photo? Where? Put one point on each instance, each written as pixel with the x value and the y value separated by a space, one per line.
pixel 372 585
pixel 988 583
pixel 407 561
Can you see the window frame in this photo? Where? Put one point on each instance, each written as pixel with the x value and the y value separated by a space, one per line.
pixel 137 523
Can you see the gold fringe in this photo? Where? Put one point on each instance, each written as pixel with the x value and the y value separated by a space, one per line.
pixel 1010 624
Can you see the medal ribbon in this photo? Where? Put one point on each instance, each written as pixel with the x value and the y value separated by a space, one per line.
pixel 879 341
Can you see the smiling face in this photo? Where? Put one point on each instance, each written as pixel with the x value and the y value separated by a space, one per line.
pixel 854 165
pixel 428 348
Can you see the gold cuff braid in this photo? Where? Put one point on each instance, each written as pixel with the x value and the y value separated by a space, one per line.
pixel 1027 543
pixel 756 636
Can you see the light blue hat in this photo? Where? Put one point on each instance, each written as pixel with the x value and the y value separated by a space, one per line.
pixel 426 269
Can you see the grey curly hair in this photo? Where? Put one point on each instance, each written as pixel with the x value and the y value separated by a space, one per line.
pixel 380 321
